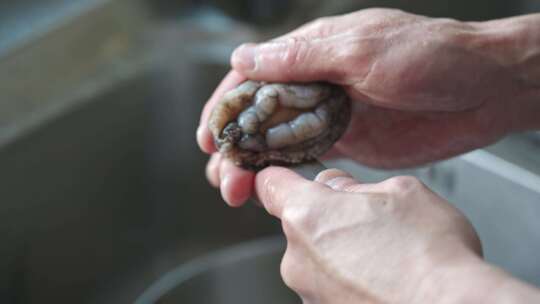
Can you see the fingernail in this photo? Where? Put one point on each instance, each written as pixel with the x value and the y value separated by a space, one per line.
pixel 330 174
pixel 199 131
pixel 243 58
pixel 340 183
pixel 224 187
pixel 199 137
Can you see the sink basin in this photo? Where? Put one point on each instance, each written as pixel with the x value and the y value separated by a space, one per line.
pixel 245 273
pixel 103 188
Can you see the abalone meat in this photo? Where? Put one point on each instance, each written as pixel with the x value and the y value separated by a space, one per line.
pixel 258 124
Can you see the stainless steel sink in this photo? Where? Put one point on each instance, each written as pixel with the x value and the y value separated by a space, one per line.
pixel 103 188
pixel 245 273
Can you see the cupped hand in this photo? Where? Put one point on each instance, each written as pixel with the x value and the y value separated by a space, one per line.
pixel 236 184
pixel 349 242
pixel 423 89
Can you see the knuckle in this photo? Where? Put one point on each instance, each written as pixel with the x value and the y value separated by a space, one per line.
pixel 404 184
pixel 294 219
pixel 300 218
pixel 378 20
pixel 294 272
pixel 318 23
pixel 321 27
pixel 354 188
pixel 302 213
pixel 290 272
pixel 376 12
pixel 297 51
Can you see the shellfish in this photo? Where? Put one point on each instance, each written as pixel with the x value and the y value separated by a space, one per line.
pixel 258 124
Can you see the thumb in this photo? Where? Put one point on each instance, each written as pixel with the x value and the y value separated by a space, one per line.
pixel 291 59
pixel 277 187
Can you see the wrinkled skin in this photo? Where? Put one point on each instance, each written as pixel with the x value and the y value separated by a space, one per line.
pixel 433 88
pixel 391 242
pixel 317 233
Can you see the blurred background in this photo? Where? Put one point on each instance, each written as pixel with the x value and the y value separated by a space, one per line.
pixel 102 185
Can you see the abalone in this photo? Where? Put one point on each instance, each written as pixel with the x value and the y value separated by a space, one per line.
pixel 259 124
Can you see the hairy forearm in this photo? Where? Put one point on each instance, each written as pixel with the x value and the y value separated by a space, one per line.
pixel 514 43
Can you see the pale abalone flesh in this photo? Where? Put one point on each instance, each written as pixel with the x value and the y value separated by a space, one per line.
pixel 258 124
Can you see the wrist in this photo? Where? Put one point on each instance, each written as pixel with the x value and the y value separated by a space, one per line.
pixel 514 44
pixel 472 280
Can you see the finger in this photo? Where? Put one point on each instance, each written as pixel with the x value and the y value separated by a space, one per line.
pixel 329 174
pixel 204 137
pixel 212 169
pixel 342 183
pixel 339 180
pixel 277 187
pixel 291 59
pixel 236 184
pixel 336 179
pixel 296 271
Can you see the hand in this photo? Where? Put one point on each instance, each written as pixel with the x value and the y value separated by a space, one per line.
pixel 391 242
pixel 235 183
pixel 426 89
